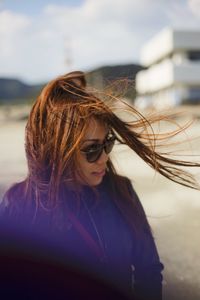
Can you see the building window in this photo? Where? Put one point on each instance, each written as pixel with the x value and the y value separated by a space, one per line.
pixel 194 55
pixel 192 95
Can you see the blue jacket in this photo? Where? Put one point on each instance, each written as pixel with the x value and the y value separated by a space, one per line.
pixel 131 263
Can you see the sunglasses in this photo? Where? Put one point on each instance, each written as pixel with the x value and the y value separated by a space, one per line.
pixel 94 151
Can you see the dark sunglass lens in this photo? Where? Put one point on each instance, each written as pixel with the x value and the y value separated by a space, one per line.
pixel 93 156
pixel 93 152
pixel 109 145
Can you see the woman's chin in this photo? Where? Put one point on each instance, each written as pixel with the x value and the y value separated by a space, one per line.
pixel 95 182
pixel 96 179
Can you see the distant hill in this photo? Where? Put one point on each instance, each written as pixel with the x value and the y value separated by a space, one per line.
pixel 16 90
pixel 104 76
pixel 110 73
pixel 13 90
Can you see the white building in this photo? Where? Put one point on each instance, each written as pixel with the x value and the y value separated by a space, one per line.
pixel 172 76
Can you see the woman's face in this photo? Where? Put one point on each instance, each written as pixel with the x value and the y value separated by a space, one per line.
pixel 92 173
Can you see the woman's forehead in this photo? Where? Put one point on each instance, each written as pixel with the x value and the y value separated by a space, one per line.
pixel 95 130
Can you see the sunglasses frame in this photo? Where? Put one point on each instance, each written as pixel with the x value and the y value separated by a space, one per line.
pixel 103 146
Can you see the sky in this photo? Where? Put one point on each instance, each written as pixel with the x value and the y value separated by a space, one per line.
pixel 41 39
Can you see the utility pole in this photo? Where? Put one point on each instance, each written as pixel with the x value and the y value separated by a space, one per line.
pixel 68 55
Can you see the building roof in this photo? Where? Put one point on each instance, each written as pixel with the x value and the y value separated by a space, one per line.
pixel 168 41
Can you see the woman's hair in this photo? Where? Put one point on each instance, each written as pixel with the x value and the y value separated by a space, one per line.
pixel 56 125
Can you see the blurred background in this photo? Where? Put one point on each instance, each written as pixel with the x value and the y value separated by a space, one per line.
pixel 156 46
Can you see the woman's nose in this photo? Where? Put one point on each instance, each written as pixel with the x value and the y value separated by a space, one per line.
pixel 103 158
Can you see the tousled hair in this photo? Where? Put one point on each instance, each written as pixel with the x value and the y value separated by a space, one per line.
pixel 56 126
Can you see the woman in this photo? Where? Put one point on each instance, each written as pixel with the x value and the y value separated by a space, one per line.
pixel 72 187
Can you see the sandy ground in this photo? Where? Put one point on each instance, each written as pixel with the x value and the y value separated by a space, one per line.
pixel 173 211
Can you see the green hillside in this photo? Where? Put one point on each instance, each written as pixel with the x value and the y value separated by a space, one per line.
pixel 15 91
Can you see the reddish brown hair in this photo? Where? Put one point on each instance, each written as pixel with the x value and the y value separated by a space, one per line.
pixel 56 125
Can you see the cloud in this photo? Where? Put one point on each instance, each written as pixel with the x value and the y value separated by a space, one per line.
pixel 26 46
pixel 11 26
pixel 91 34
pixel 185 14
pixel 11 22
pixel 103 32
pixel 194 6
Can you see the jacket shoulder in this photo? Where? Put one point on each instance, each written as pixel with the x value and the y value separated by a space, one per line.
pixel 3 206
pixel 126 182
pixel 122 179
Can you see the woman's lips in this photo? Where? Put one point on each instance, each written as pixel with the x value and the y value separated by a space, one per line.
pixel 99 174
